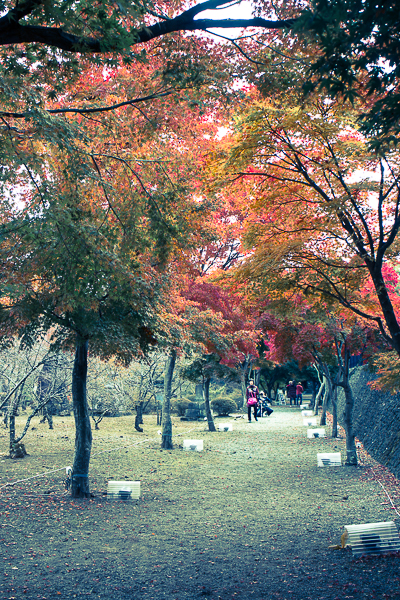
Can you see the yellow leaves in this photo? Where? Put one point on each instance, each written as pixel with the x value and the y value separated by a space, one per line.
pixel 387 367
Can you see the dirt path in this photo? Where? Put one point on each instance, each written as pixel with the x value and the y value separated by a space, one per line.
pixel 252 516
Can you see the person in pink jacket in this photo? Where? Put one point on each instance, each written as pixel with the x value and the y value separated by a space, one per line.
pixel 252 396
pixel 299 393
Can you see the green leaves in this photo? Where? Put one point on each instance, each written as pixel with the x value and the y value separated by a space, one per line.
pixel 358 41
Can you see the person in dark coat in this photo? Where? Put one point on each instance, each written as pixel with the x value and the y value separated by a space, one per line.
pixel 291 392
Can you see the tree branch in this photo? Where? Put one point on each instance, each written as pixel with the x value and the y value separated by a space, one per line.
pixel 96 109
pixel 11 32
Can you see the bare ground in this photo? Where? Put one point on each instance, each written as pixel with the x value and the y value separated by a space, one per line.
pixel 252 516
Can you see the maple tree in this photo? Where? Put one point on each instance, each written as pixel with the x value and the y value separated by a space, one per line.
pixel 386 365
pixel 195 329
pixel 113 198
pixel 90 241
pixel 325 209
pixel 312 333
pixel 235 340
pixel 83 288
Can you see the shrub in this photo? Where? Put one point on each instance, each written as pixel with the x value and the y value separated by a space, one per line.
pixel 237 397
pixel 223 406
pixel 181 405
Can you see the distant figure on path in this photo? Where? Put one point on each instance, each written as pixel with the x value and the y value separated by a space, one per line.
pixel 299 393
pixel 252 396
pixel 291 392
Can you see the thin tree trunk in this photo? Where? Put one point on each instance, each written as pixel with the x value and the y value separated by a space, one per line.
pixel 139 417
pixel 83 431
pixel 328 392
pixel 206 396
pixel 166 425
pixel 97 421
pixel 322 420
pixel 386 305
pixel 16 440
pixel 243 373
pixel 351 458
pixel 334 412
pixel 12 430
pixel 21 382
pixel 13 411
pixel 318 398
pixel 313 394
pixel 243 388
pixel 44 390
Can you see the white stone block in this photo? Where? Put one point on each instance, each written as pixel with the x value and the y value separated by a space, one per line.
pixel 225 427
pixel 316 433
pixel 333 459
pixel 196 445
pixel 310 421
pixel 123 490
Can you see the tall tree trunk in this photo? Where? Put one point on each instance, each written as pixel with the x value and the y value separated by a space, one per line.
pixel 83 431
pixel 351 458
pixel 139 417
pixel 334 412
pixel 44 390
pixel 13 411
pixel 313 395
pixel 243 388
pixel 12 431
pixel 244 366
pixel 328 392
pixel 318 397
pixel 386 305
pixel 206 396
pixel 166 437
pixel 325 400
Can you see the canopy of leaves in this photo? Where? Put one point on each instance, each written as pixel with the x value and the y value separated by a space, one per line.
pixel 324 210
pixel 359 42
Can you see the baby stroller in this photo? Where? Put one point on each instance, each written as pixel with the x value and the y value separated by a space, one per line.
pixel 263 408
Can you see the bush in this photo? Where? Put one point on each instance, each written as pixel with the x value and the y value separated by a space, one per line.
pixel 237 397
pixel 181 405
pixel 223 406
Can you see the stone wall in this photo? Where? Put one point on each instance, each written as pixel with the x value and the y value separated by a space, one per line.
pixel 376 419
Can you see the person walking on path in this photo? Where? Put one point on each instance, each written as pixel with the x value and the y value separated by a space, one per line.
pixel 252 396
pixel 299 393
pixel 291 392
